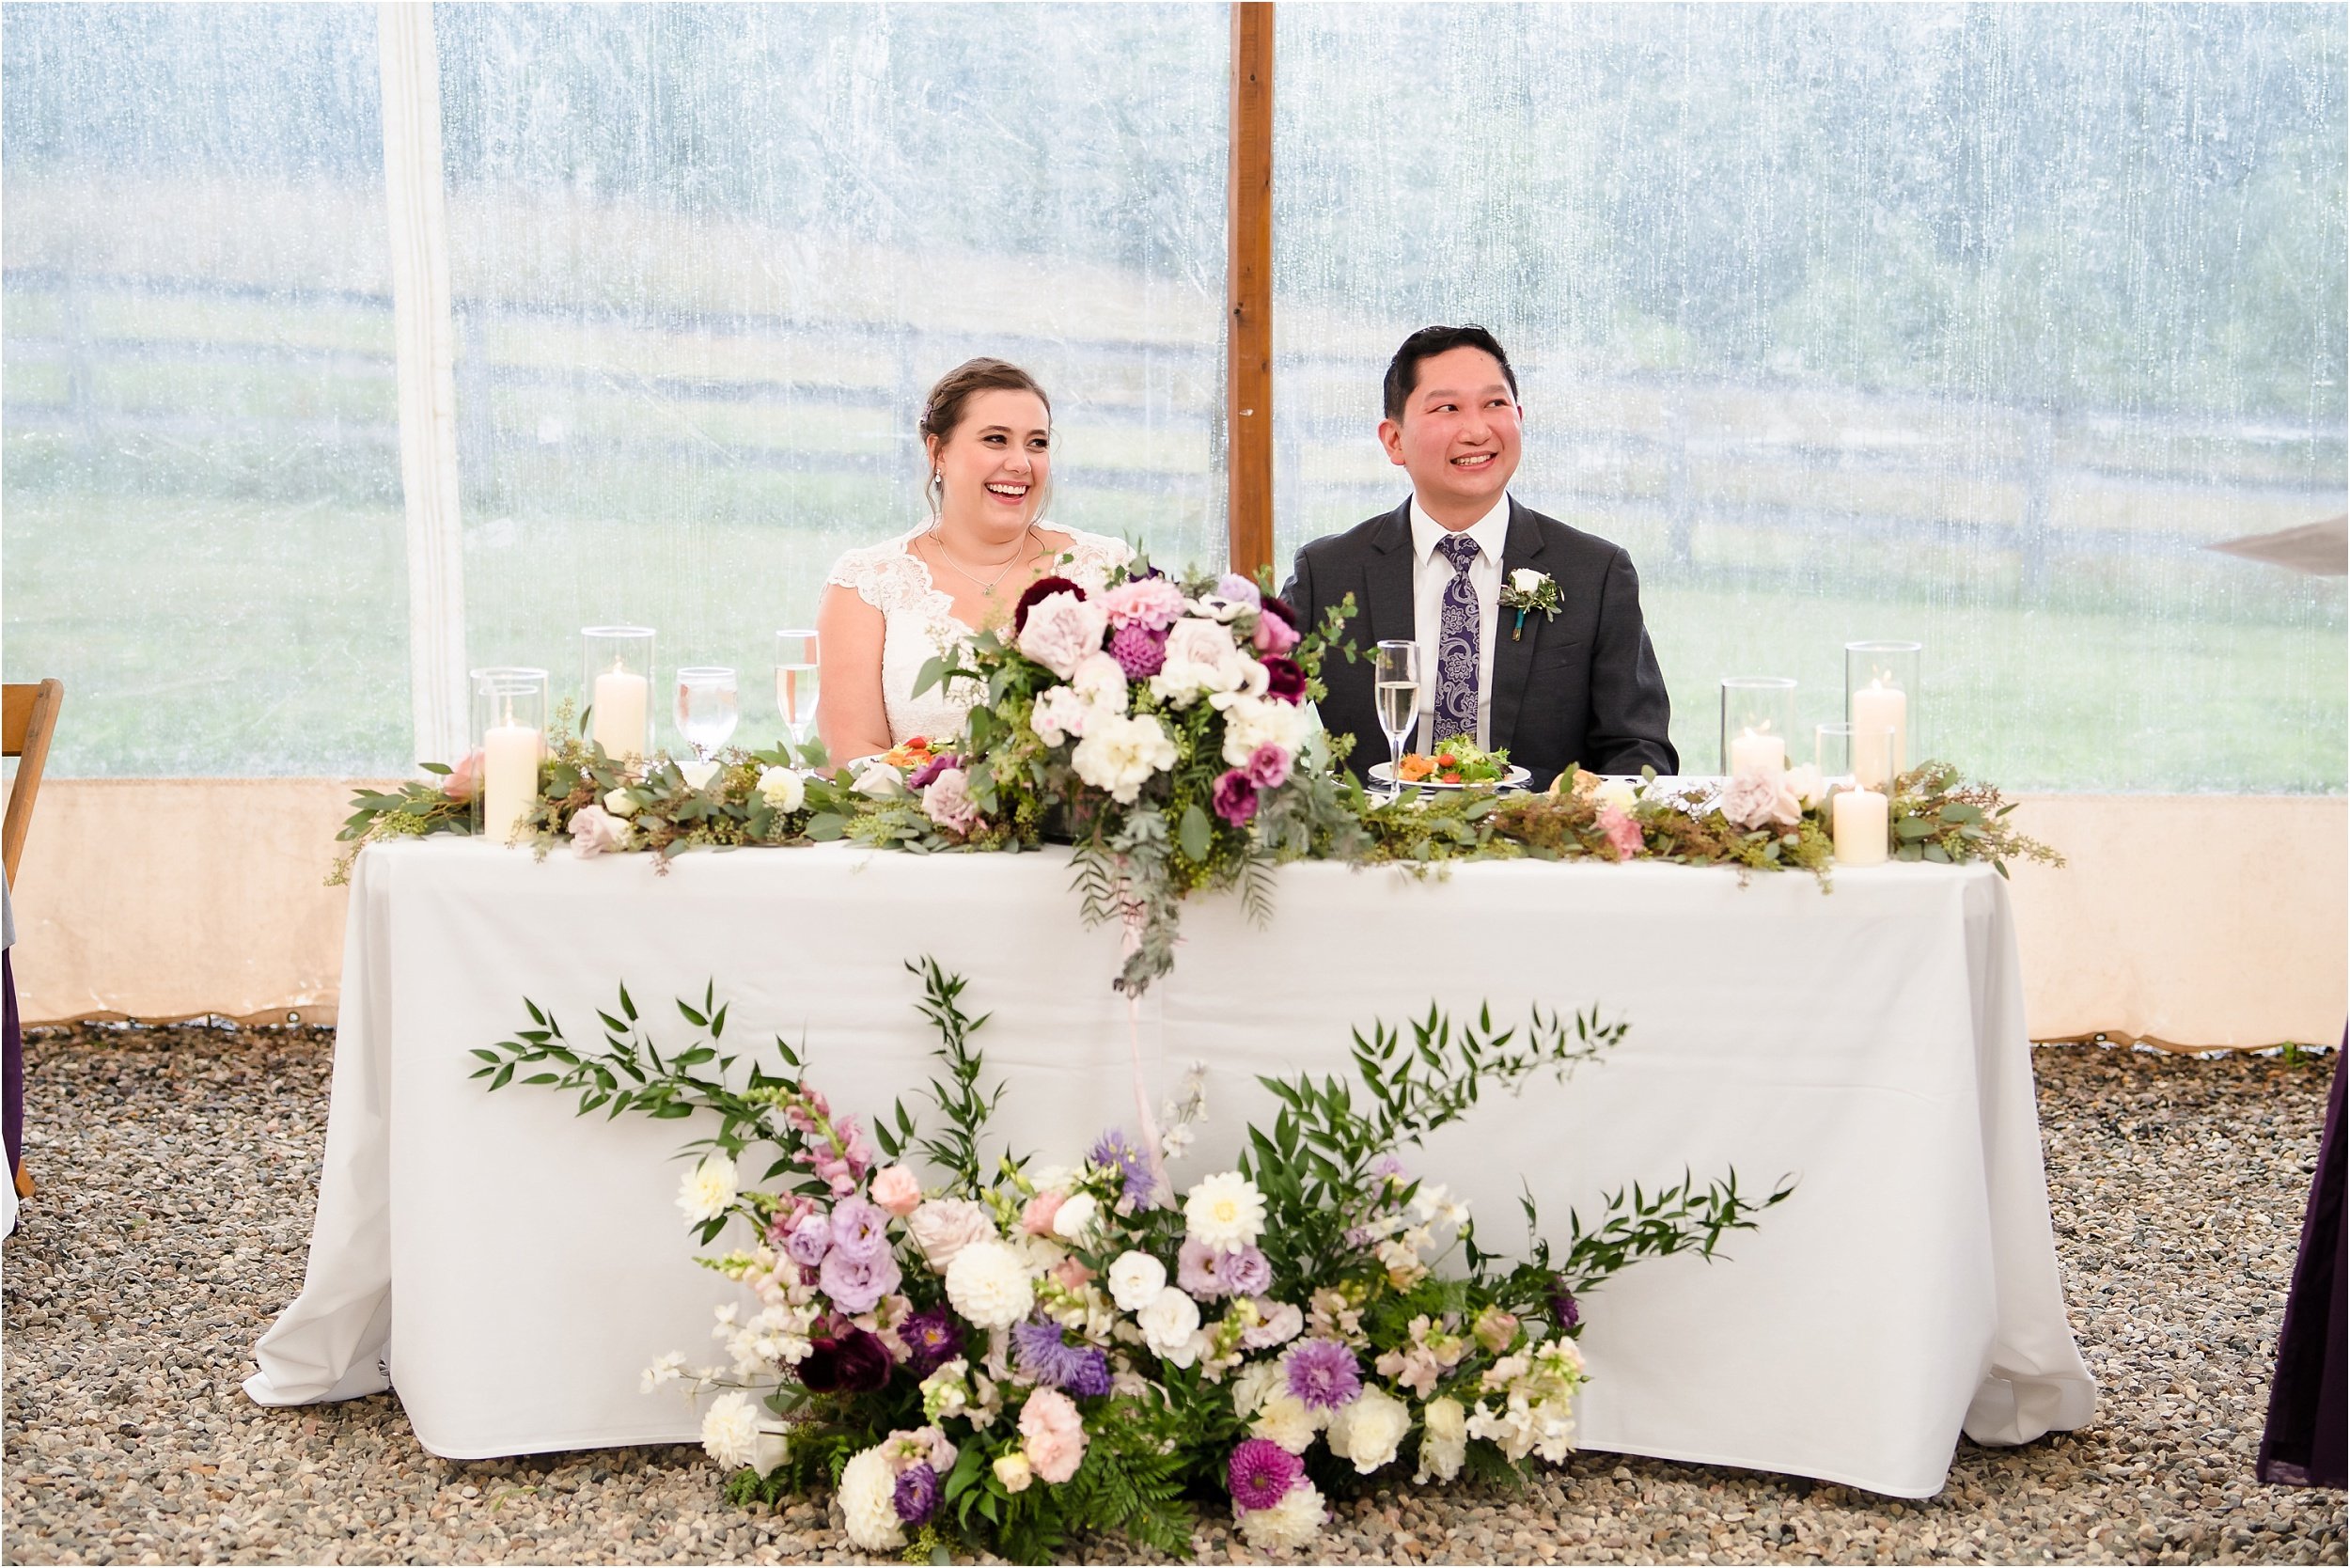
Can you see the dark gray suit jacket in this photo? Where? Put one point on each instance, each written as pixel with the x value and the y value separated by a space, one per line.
pixel 1582 687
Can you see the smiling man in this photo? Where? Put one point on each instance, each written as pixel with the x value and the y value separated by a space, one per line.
pixel 1579 685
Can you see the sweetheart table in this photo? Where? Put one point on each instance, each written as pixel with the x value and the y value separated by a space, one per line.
pixel 510 1268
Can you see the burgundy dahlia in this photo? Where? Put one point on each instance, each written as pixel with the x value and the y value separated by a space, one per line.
pixel 855 1363
pixel 1284 679
pixel 1039 589
pixel 1139 652
pixel 1262 1474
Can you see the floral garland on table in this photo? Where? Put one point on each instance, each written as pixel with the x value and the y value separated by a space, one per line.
pixel 1161 725
pixel 1007 1354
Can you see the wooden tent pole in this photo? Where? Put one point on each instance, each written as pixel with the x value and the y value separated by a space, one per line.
pixel 1248 285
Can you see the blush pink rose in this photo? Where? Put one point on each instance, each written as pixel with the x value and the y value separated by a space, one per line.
pixel 594 831
pixel 1200 642
pixel 897 1190
pixel 462 781
pixel 1037 1218
pixel 946 801
pixel 1062 629
pixel 1624 834
pixel 1051 1435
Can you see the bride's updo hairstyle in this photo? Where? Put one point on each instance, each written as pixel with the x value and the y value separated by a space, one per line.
pixel 942 412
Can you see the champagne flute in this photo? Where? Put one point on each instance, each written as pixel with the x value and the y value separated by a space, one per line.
pixel 1395 684
pixel 707 708
pixel 796 682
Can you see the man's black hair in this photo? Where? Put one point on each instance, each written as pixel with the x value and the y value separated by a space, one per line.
pixel 1428 342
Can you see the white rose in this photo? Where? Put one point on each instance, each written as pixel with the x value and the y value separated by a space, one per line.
pixel 697 774
pixel 1250 722
pixel 708 1189
pixel 1805 784
pixel 1075 1217
pixel 1526 579
pixel 988 1284
pixel 782 789
pixel 1256 1381
pixel 1616 792
pixel 1444 1443
pixel 1288 1525
pixel 1119 753
pixel 1015 1471
pixel 1168 1324
pixel 1284 1418
pixel 868 1506
pixel 1059 712
pixel 942 1226
pixel 878 782
pixel 620 802
pixel 1101 680
pixel 1136 1280
pixel 1224 1211
pixel 1370 1428
pixel 731 1431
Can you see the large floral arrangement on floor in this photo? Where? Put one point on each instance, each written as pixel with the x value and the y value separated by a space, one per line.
pixel 1001 1354
pixel 1161 725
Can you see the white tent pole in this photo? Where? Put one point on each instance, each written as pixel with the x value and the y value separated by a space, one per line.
pixel 427 351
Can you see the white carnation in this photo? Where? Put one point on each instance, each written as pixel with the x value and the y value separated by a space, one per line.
pixel 708 1189
pixel 1224 1211
pixel 1282 1418
pixel 1058 713
pixel 1121 752
pixel 1443 1441
pixel 869 1509
pixel 731 1431
pixel 1291 1523
pixel 1370 1428
pixel 1136 1280
pixel 989 1285
pixel 1250 722
pixel 1805 784
pixel 782 789
pixel 1170 1324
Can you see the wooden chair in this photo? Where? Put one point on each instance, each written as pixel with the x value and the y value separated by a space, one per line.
pixel 28 717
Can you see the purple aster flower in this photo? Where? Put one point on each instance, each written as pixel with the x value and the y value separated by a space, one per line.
pixel 855 1284
pixel 1040 1352
pixel 1262 1474
pixel 1322 1374
pixel 809 1240
pixel 1242 1273
pixel 1117 1151
pixel 1563 1310
pixel 860 1229
pixel 932 1338
pixel 915 1496
pixel 1140 651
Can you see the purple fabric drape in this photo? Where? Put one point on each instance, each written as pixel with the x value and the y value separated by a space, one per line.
pixel 2303 1445
pixel 13 1046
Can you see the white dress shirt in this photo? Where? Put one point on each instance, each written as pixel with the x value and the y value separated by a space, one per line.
pixel 1431 573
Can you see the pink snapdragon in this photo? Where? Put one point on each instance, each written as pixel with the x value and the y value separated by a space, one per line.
pixel 1274 635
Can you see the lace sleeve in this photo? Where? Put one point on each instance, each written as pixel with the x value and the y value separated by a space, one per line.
pixel 883 575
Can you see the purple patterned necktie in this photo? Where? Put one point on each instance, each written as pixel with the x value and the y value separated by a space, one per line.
pixel 1456 644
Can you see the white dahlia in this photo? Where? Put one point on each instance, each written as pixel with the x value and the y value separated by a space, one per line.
pixel 989 1284
pixel 731 1431
pixel 1291 1523
pixel 1225 1212
pixel 1121 752
pixel 708 1189
pixel 867 1502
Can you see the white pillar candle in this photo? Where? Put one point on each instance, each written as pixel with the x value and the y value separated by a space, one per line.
pixel 509 778
pixel 1875 708
pixel 620 719
pixel 1753 753
pixel 1862 820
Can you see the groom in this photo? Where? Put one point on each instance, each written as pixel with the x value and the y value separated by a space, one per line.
pixel 1581 686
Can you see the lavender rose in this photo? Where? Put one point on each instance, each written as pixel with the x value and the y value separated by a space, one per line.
pixel 946 801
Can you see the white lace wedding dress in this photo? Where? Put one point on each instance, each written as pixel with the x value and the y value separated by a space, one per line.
pixel 918 621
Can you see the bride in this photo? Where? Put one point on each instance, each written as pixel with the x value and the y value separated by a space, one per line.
pixel 888 608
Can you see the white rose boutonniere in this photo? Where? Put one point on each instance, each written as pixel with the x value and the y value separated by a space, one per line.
pixel 1529 589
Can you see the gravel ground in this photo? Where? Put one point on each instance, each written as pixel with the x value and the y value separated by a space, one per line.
pixel 179 1165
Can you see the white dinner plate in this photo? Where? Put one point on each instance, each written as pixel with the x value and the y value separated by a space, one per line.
pixel 1513 779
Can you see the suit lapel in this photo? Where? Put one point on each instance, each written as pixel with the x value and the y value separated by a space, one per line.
pixel 1521 547
pixel 1388 579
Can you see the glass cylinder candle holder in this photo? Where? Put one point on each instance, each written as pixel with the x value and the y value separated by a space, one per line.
pixel 510 741
pixel 1854 754
pixel 1757 717
pixel 618 691
pixel 1881 692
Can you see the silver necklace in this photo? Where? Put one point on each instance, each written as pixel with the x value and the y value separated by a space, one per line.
pixel 985 586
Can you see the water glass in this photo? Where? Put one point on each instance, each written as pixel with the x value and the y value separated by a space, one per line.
pixel 796 682
pixel 707 708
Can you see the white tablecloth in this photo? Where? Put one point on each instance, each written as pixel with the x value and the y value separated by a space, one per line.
pixel 1870 1040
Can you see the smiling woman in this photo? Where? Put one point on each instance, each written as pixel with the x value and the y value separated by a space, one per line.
pixel 987 436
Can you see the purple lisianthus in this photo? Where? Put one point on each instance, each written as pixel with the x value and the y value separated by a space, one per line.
pixel 855 1362
pixel 859 1230
pixel 1038 1350
pixel 1195 1271
pixel 1269 766
pixel 1284 679
pixel 916 1496
pixel 809 1240
pixel 1323 1375
pixel 1140 650
pixel 932 1338
pixel 927 773
pixel 1242 1273
pixel 1132 1165
pixel 1563 1309
pixel 857 1284
pixel 1262 1474
pixel 1239 590
pixel 1236 797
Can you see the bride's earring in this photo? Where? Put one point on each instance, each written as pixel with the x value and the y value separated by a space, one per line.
pixel 935 493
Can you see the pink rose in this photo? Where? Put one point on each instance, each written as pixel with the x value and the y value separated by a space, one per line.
pixel 1072 1275
pixel 465 780
pixel 1062 629
pixel 1037 1218
pixel 1200 642
pixel 1051 1435
pixel 1273 636
pixel 1755 800
pixel 1624 834
pixel 594 830
pixel 946 800
pixel 1153 604
pixel 942 1226
pixel 897 1190
pixel 1268 766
